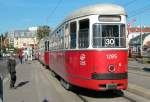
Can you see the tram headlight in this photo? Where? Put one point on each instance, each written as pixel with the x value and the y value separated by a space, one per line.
pixel 111 68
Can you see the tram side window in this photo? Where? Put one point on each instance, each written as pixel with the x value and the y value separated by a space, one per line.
pixel 73 35
pixel 83 41
pixel 122 36
pixel 45 45
pixel 67 36
pixel 62 37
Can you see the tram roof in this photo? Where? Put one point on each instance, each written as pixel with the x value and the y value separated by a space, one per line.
pixel 100 9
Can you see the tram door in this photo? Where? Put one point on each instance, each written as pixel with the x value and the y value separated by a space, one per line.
pixel 84 57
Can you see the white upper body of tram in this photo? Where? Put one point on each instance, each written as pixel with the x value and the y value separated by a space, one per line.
pixel 93 27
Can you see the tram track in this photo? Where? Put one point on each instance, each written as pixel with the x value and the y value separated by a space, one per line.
pixel 139 72
pixel 116 94
pixel 126 97
pixel 120 97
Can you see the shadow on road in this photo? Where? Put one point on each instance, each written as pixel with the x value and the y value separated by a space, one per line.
pixel 45 100
pixel 22 84
pixel 98 94
pixel 146 69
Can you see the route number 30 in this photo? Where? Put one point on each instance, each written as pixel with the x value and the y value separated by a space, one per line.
pixel 109 42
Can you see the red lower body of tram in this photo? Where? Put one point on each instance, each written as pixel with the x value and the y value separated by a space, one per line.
pixel 92 69
pixel 44 58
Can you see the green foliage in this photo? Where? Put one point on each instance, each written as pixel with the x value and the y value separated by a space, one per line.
pixel 43 31
pixel 16 50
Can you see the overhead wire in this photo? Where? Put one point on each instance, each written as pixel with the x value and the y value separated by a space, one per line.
pixel 133 13
pixel 53 11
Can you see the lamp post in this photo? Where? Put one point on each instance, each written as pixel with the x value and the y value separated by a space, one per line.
pixel 141 38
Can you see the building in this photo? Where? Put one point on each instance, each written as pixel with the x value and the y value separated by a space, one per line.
pixel 25 38
pixel 139 41
pixel 136 31
pixel 22 38
pixel 11 38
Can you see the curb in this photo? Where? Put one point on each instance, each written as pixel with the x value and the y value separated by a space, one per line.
pixel 141 91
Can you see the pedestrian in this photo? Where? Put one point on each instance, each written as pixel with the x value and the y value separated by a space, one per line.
pixel 20 58
pixel 12 70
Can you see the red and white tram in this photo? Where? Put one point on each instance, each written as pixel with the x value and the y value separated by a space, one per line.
pixel 43 53
pixel 89 48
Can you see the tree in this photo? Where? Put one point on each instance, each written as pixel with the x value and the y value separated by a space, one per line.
pixel 43 31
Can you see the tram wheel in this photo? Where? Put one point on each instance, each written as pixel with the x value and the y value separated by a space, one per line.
pixel 65 84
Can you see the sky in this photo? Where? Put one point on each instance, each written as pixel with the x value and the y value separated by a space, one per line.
pixel 21 14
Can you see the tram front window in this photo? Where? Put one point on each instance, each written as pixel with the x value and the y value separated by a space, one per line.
pixel 108 36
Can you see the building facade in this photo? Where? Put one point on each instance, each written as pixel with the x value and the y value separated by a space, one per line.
pixel 136 31
pixel 139 41
pixel 25 38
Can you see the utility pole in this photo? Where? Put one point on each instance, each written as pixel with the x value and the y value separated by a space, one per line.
pixel 141 49
pixel 141 40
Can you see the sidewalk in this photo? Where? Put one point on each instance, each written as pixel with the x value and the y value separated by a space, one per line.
pixel 35 84
pixel 31 86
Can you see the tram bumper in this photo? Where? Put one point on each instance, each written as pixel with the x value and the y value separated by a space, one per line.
pixel 95 83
